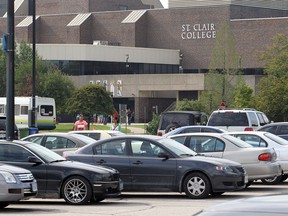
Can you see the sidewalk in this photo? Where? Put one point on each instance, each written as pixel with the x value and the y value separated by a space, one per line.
pixel 135 130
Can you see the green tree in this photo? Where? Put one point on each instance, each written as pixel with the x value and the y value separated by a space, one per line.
pixel 90 99
pixel 2 74
pixel 152 126
pixel 57 85
pixel 189 105
pixel 222 78
pixel 271 91
pixel 243 96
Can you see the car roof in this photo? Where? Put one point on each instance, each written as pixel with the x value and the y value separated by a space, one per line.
pixel 198 134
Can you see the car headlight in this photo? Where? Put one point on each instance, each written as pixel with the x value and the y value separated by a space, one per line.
pixel 224 168
pixel 8 177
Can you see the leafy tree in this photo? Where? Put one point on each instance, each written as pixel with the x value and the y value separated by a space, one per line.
pixel 2 74
pixel 152 126
pixel 271 91
pixel 91 99
pixel 243 96
pixel 56 85
pixel 221 80
pixel 276 57
pixel 189 105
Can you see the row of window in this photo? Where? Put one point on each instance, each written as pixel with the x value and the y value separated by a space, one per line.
pixel 77 68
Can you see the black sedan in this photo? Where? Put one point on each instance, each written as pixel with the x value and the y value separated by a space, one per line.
pixel 76 182
pixel 153 163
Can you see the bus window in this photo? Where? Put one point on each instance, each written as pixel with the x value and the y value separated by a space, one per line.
pixel 46 110
pixel 24 110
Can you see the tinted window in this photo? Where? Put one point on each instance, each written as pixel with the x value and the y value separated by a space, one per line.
pixel 176 118
pixel 13 153
pixel 206 144
pixel 228 119
pixel 283 129
pixel 145 148
pixel 271 129
pixel 179 139
pixel 236 141
pixel 34 139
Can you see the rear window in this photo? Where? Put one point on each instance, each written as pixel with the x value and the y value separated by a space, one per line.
pixel 179 119
pixel 228 119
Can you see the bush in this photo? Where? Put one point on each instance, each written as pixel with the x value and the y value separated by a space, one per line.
pixel 153 125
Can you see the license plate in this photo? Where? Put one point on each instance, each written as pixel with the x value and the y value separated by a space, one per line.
pixel 34 187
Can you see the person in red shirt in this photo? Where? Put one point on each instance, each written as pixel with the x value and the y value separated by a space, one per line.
pixel 81 124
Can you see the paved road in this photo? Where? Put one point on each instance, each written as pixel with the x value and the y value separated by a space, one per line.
pixel 132 204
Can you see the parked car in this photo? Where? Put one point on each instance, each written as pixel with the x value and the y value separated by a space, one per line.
pixel 59 142
pixel 277 128
pixel 76 182
pixel 237 120
pixel 173 119
pixel 98 134
pixel 260 163
pixel 252 206
pixel 15 184
pixel 266 139
pixel 3 129
pixel 153 163
pixel 195 129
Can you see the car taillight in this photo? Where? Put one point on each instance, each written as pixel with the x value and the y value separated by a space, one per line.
pixel 159 134
pixel 265 157
pixel 248 129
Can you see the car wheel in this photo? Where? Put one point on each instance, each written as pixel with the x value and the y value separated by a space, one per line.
pixel 3 204
pixel 171 127
pixel 284 177
pixel 196 186
pixel 273 181
pixel 77 190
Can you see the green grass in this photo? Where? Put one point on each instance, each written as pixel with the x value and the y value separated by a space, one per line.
pixel 65 127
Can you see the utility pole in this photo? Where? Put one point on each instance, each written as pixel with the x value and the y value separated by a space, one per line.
pixel 33 111
pixel 10 121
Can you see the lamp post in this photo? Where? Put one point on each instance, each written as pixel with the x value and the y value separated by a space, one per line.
pixel 10 121
pixel 33 111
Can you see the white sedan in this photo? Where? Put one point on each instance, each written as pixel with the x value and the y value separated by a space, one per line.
pixel 260 163
pixel 266 139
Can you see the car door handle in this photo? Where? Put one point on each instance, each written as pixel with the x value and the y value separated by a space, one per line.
pixel 137 162
pixel 101 161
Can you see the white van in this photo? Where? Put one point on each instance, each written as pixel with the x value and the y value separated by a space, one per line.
pixel 238 120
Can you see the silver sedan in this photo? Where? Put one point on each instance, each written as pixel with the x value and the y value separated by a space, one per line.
pixel 260 163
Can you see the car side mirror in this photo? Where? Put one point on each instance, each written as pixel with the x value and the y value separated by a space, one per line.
pixel 163 155
pixel 33 159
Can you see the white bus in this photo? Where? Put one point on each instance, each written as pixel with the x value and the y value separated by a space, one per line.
pixel 45 111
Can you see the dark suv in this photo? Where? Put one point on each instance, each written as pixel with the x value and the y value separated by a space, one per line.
pixel 3 129
pixel 173 119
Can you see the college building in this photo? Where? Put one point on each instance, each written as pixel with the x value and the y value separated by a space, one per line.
pixel 148 53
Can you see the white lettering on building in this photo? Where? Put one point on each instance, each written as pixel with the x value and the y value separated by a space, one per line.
pixel 198 31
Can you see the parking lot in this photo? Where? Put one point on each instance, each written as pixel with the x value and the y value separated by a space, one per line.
pixel 140 204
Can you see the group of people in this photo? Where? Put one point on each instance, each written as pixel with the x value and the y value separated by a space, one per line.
pixel 81 124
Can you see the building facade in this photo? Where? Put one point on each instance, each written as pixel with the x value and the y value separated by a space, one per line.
pixel 148 56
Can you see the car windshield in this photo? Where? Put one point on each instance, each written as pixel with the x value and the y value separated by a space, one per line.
pixel 276 138
pixel 84 138
pixel 236 141
pixel 44 153
pixel 177 148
